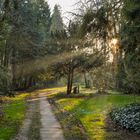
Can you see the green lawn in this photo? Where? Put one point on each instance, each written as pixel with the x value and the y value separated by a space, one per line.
pixel 14 111
pixel 90 112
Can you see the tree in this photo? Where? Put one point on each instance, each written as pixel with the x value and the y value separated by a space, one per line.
pixel 80 57
pixel 22 38
pixel 56 21
pixel 130 34
pixel 43 18
pixel 101 19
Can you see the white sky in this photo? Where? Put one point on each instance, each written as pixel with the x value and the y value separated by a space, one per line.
pixel 66 6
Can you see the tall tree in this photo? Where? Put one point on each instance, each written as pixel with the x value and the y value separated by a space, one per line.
pixel 101 19
pixel 56 21
pixel 130 34
pixel 43 17
pixel 24 27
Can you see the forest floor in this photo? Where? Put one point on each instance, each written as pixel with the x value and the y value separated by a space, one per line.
pixel 82 116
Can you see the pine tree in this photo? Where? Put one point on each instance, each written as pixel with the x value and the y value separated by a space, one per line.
pixel 43 17
pixel 131 44
pixel 23 30
pixel 56 21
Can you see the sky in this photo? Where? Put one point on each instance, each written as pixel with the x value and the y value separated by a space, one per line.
pixel 66 6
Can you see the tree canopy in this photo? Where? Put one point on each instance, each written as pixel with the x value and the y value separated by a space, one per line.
pixel 103 37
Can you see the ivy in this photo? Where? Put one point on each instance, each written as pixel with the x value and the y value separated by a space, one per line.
pixel 128 117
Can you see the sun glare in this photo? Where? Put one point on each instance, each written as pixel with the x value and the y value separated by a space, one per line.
pixel 114 41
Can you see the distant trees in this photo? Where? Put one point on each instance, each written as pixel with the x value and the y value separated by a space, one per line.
pixel 24 29
pixel 77 56
pixel 27 42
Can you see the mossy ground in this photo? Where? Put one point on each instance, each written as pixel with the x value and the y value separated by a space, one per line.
pixel 85 117
pixel 14 110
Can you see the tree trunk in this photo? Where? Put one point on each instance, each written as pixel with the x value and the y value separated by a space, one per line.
pixel 5 63
pixel 13 68
pixel 70 81
pixel 86 81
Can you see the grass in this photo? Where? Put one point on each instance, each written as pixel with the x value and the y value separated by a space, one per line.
pixel 14 112
pixel 84 118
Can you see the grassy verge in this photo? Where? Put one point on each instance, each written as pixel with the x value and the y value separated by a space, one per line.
pixel 13 114
pixel 72 126
pixel 85 117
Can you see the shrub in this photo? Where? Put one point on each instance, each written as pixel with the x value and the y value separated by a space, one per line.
pixel 127 117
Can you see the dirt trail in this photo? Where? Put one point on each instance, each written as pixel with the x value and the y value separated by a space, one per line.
pixel 49 128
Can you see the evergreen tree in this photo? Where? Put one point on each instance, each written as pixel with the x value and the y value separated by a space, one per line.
pixel 24 25
pixel 56 21
pixel 131 44
pixel 43 17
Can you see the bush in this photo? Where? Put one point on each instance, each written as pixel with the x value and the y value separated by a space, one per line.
pixel 127 117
